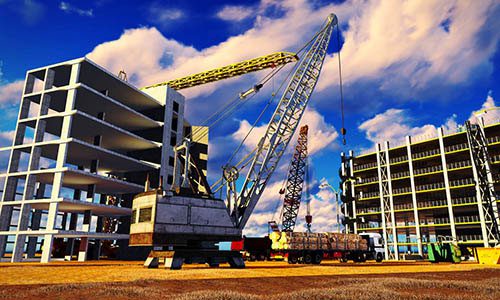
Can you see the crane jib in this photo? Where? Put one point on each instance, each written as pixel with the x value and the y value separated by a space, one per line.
pixel 283 123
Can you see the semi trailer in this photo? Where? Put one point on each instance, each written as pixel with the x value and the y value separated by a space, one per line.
pixel 312 248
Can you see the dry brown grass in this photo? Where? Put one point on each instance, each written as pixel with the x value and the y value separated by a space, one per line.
pixel 83 273
pixel 389 288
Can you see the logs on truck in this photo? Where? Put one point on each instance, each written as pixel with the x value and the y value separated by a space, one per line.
pixel 306 247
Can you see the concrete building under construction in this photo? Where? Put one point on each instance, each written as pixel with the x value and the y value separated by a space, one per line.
pixel 85 142
pixel 439 185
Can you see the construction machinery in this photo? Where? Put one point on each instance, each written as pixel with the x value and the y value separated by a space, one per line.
pixel 185 227
pixel 294 186
pixel 311 248
pixel 252 65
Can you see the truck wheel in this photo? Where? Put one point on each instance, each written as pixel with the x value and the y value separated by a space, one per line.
pixel 317 258
pixel 293 259
pixel 253 257
pixel 379 257
pixel 343 259
pixel 308 258
pixel 262 257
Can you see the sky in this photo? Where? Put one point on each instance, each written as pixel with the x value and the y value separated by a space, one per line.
pixel 408 67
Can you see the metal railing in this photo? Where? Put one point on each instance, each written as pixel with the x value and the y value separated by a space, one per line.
pixel 368 210
pixel 398 159
pixel 425 153
pixel 428 170
pixel 456 147
pixel 365 166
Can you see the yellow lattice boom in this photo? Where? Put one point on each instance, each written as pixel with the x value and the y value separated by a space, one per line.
pixel 240 68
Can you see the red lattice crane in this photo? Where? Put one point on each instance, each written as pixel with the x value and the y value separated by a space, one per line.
pixel 294 185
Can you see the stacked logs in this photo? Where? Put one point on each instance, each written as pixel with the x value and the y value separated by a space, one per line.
pixel 320 241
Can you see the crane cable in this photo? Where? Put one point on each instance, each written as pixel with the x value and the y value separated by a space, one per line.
pixel 342 130
pixel 273 96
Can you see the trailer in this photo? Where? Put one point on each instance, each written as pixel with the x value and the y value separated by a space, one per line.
pixel 312 248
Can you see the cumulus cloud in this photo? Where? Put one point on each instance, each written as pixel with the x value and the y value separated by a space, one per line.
pixel 10 93
pixel 394 125
pixel 235 13
pixel 412 43
pixel 320 134
pixel 323 209
pixel 69 8
pixel 488 111
pixel 388 43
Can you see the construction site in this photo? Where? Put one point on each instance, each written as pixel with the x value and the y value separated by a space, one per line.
pixel 106 194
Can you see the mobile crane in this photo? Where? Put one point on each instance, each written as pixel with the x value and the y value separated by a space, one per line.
pixel 183 227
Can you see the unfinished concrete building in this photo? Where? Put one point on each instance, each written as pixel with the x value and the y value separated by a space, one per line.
pixel 445 185
pixel 84 144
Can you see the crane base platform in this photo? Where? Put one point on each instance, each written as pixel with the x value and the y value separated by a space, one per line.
pixel 174 259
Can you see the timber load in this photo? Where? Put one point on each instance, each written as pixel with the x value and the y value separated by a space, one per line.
pixel 328 241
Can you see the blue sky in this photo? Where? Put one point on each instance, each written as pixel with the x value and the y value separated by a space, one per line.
pixel 408 67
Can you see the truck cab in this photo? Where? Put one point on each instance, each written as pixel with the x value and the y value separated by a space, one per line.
pixel 375 245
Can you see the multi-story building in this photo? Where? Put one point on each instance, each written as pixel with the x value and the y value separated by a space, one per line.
pixel 84 144
pixel 439 185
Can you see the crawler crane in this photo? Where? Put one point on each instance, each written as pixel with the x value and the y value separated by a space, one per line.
pixel 185 227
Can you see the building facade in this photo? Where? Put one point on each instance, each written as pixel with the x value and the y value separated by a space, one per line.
pixel 84 144
pixel 443 185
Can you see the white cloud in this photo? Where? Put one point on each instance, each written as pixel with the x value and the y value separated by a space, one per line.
pixel 69 8
pixel 235 13
pixel 164 15
pixel 390 43
pixel 6 138
pixel 10 93
pixel 320 134
pixel 412 43
pixel 393 125
pixel 488 111
pixel 323 210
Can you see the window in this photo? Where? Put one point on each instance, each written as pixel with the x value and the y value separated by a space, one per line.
pixel 176 107
pixel 145 214
pixel 173 140
pixel 171 161
pixel 170 179
pixel 133 217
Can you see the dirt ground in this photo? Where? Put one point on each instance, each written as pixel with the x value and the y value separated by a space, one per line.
pixel 260 280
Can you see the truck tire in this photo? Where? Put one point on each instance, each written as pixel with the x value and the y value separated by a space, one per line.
pixel 262 257
pixel 293 259
pixel 317 258
pixel 379 257
pixel 252 257
pixel 343 259
pixel 308 258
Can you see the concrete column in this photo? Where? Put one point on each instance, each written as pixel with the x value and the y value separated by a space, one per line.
pixel 449 201
pixel 84 242
pixel 61 160
pixel 414 196
pixel 353 193
pixel 71 241
pixel 49 238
